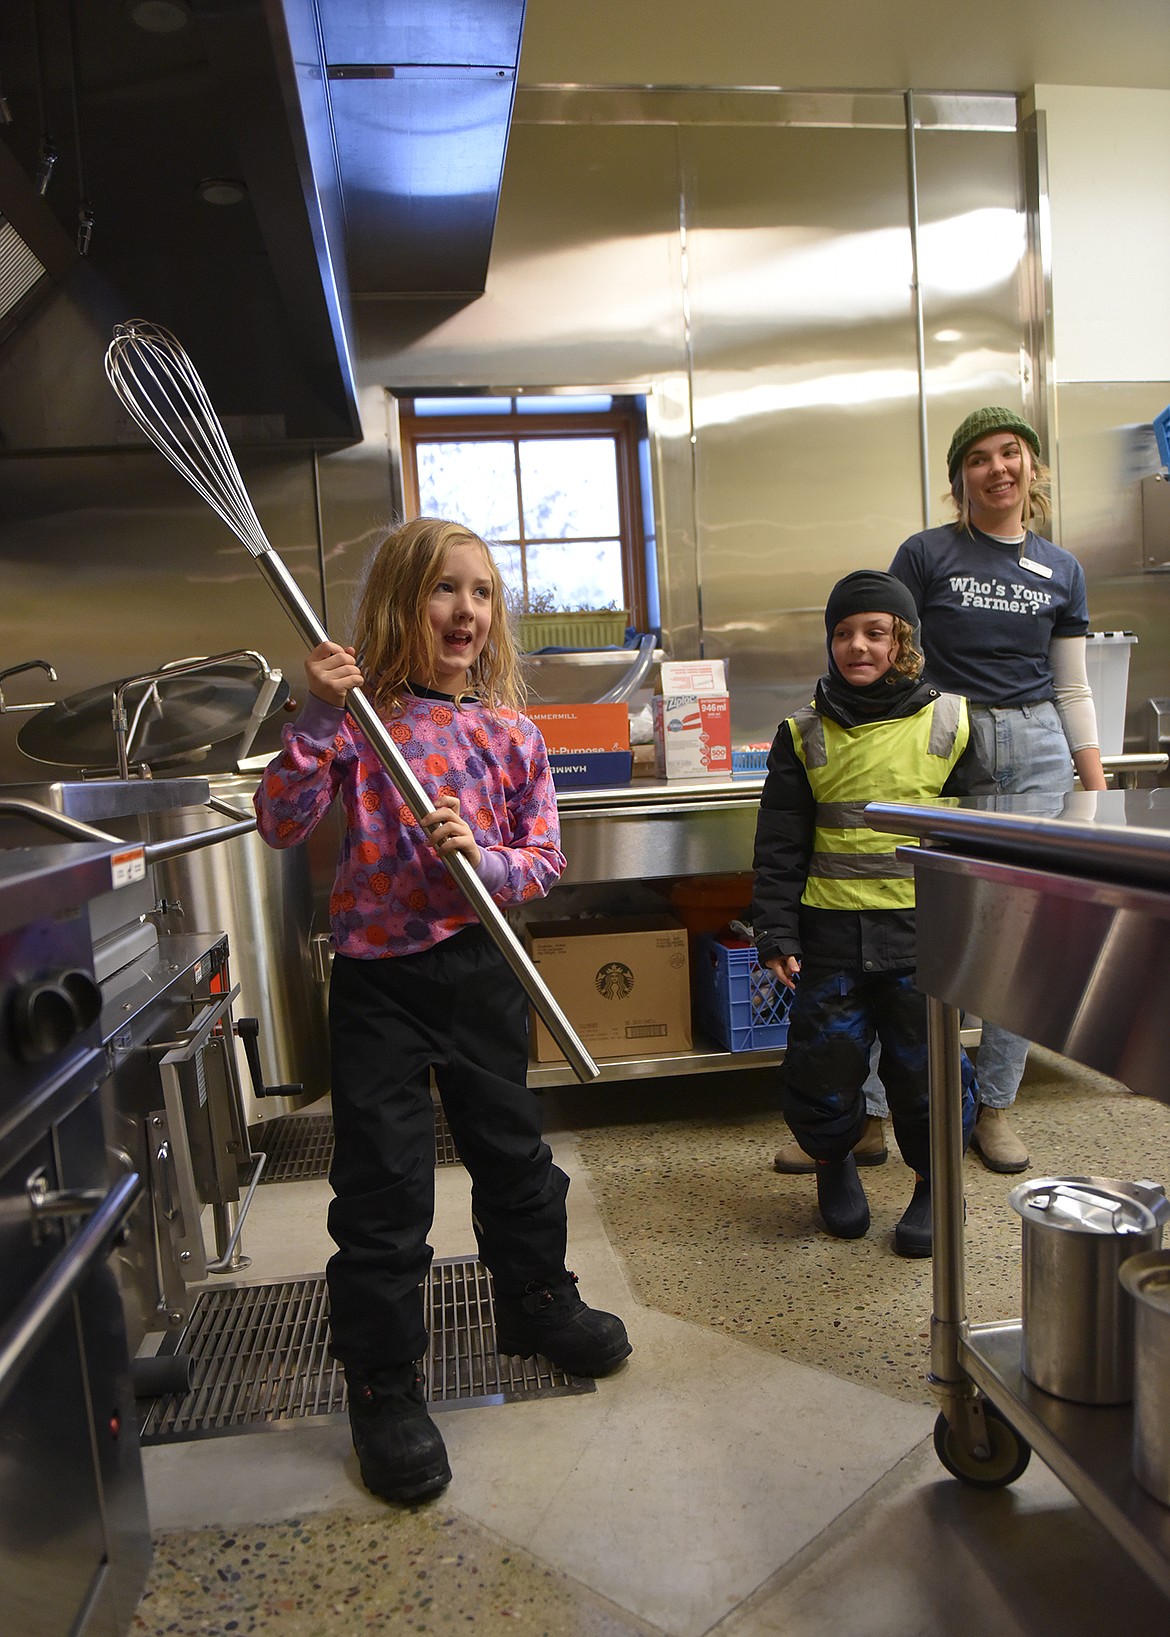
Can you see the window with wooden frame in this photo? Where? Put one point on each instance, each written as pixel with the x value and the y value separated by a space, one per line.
pixel 551 483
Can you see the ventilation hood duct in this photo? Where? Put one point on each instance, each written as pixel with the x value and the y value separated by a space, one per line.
pixel 238 170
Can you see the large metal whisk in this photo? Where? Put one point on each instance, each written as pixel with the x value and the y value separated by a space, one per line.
pixel 159 385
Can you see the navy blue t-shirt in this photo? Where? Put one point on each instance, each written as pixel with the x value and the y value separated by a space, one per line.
pixel 987 622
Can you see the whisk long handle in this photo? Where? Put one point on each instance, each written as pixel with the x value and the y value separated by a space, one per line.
pixel 304 617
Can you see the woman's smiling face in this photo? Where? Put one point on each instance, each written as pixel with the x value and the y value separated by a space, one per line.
pixel 459 611
pixel 996 473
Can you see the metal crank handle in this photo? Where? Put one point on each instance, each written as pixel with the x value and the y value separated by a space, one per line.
pixel 304 617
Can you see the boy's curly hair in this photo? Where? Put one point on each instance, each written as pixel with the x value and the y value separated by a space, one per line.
pixel 907 660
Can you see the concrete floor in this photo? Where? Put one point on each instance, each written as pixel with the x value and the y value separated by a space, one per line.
pixel 762 1464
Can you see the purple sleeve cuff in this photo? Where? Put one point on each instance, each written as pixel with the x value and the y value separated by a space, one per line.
pixel 319 720
pixel 493 868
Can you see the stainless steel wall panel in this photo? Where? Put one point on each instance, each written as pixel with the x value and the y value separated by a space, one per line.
pixel 1106 450
pixel 805 389
pixel 971 259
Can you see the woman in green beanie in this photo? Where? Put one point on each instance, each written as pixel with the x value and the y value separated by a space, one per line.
pixel 1004 615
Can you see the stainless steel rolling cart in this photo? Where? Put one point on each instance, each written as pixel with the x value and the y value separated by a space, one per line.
pixel 1051 917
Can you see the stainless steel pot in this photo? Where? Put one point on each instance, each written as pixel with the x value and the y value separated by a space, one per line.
pixel 1146 1278
pixel 1077 1318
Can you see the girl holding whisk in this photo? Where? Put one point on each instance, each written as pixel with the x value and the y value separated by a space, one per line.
pixel 417 984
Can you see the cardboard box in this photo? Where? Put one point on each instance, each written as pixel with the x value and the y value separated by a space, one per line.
pixel 679 676
pixel 568 728
pixel 624 984
pixel 692 736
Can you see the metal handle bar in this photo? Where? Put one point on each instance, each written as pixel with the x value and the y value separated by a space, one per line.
pixel 155 852
pixel 24 1330
pixel 358 706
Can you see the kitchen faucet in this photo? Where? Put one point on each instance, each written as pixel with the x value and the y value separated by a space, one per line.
pixel 15 670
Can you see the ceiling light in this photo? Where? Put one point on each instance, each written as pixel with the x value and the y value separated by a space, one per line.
pixel 948 335
pixel 159 16
pixel 221 190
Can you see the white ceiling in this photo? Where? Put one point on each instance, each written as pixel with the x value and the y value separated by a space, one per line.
pixel 936 45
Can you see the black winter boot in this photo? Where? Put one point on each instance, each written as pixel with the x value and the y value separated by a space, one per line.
pixel 399 1448
pixel 912 1236
pixel 841 1198
pixel 551 1319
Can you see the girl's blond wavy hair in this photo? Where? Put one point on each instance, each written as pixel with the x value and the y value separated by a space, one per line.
pixel 392 633
pixel 1037 502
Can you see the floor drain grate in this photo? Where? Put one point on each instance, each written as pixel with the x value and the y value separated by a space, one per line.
pixel 260 1357
pixel 445 1152
pixel 300 1146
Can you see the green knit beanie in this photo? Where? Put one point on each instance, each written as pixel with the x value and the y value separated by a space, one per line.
pixel 981 422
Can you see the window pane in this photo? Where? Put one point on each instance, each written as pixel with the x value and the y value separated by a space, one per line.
pixel 563 406
pixel 508 562
pixel 578 574
pixel 569 486
pixel 471 483
pixel 463 406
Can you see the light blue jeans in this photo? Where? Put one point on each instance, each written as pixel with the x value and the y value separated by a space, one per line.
pixel 1021 751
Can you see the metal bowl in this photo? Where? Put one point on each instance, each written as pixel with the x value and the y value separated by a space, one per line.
pixel 587 676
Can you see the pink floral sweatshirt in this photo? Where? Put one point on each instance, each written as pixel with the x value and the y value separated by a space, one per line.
pixel 391 894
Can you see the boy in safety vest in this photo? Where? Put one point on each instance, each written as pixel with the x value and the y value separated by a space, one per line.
pixel 834 903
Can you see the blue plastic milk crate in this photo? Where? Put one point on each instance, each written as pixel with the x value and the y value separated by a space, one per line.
pixel 739 1002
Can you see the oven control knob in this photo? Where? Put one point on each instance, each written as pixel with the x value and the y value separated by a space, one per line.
pixel 47 1013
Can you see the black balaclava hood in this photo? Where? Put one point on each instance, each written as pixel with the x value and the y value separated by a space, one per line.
pixel 869 591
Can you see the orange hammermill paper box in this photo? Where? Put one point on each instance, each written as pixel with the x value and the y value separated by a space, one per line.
pixel 587 744
pixel 569 728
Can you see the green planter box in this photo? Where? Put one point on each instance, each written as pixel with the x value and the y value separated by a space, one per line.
pixel 591 628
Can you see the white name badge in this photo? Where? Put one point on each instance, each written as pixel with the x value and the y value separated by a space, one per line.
pixel 1034 567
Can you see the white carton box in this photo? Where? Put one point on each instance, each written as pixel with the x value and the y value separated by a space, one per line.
pixel 683 676
pixel 692 735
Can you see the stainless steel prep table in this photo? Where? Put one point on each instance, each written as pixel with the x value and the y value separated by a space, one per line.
pixel 653 830
pixel 1050 916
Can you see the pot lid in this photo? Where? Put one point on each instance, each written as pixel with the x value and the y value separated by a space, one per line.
pixel 1148 1277
pixel 1083 1205
pixel 168 718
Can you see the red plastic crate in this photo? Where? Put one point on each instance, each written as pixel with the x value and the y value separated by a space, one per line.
pixel 739 1002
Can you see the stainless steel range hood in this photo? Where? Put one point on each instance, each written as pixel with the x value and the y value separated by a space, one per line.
pixel 236 170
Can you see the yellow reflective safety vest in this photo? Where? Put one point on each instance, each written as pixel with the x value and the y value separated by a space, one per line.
pixel 905 758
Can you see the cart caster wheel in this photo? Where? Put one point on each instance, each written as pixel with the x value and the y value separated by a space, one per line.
pixel 1009 1455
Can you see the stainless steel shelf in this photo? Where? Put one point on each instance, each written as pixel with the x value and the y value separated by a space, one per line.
pixel 701 1059
pixel 1088 1447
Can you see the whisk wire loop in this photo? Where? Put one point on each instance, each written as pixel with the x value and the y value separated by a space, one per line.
pixel 161 389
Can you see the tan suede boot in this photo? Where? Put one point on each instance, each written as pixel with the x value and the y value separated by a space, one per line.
pixel 996 1143
pixel 869 1149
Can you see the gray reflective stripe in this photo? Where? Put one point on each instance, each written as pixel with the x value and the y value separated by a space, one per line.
pixel 852 866
pixel 944 724
pixel 840 815
pixel 812 736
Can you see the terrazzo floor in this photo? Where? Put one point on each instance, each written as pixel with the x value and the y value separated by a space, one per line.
pixel 762 1464
pixel 709 1232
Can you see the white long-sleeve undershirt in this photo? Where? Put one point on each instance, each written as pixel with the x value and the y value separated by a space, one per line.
pixel 1074 697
